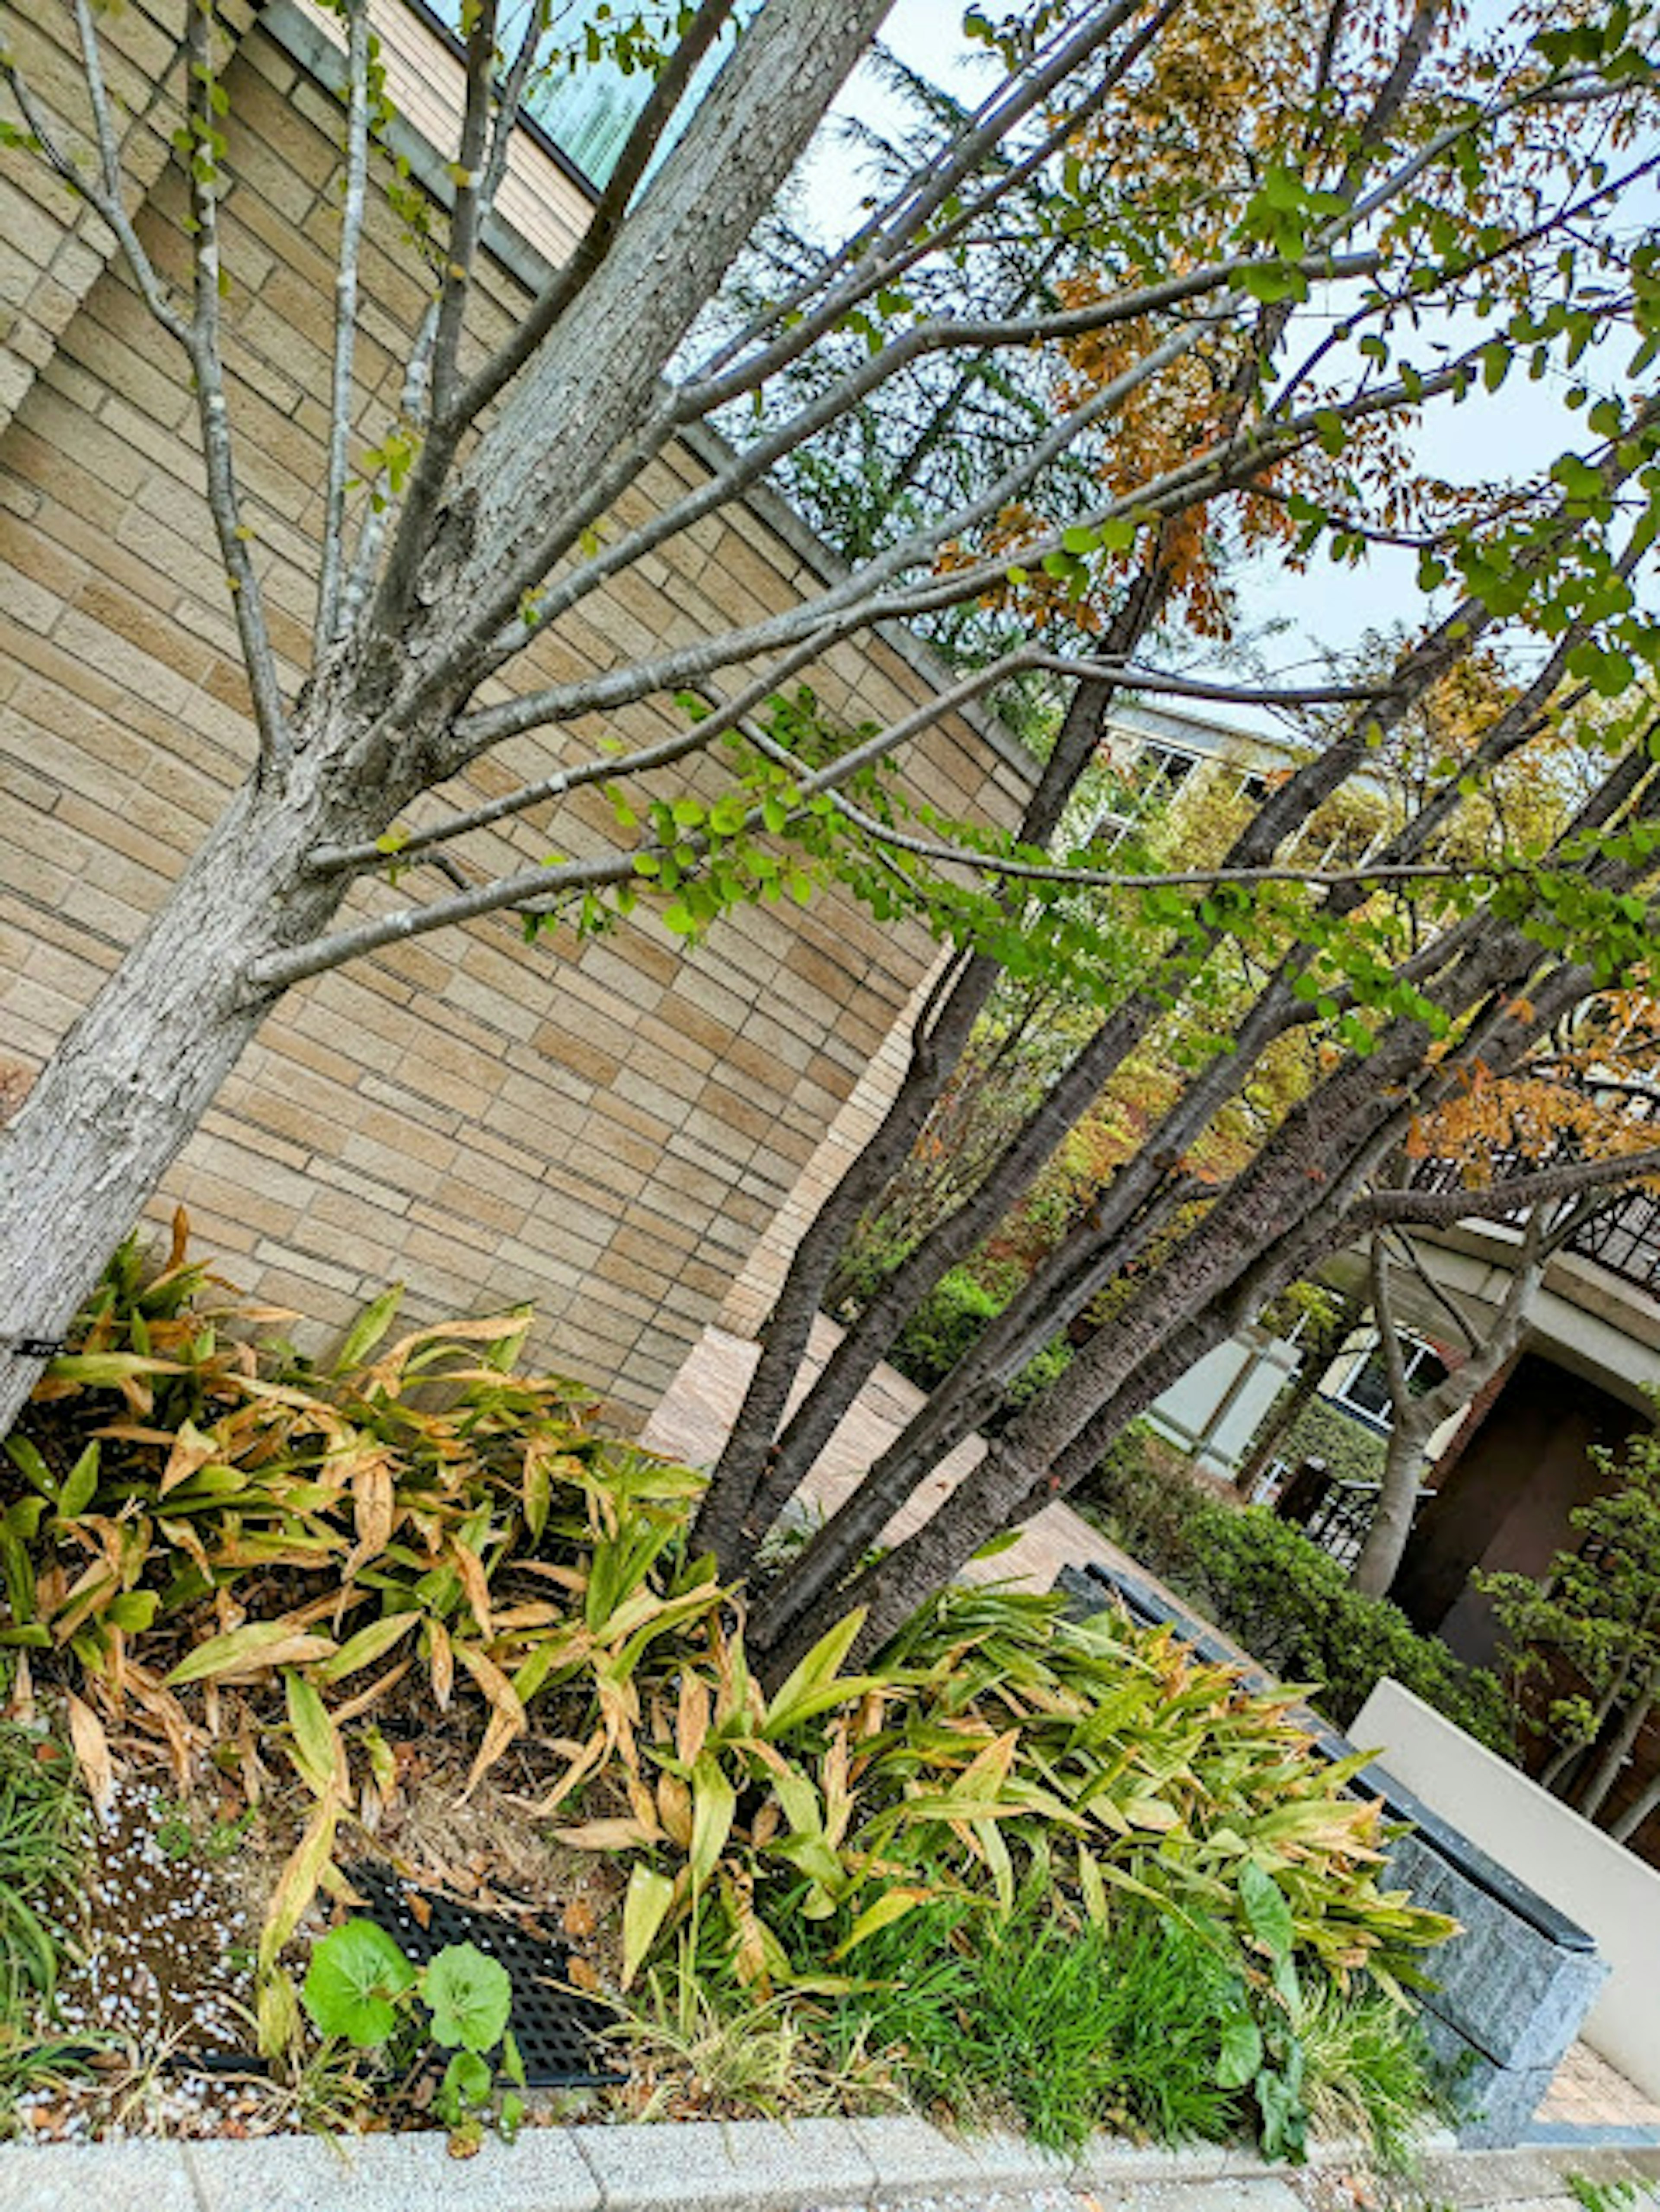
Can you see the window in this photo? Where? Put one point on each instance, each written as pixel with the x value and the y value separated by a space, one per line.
pixel 589 111
pixel 1159 772
pixel 1365 1388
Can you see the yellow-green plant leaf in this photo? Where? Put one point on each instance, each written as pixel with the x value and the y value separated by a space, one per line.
pixel 261 1643
pixel 319 1753
pixel 645 1907
pixel 368 1645
pixel 367 1331
pixel 79 1484
pixel 814 1673
pixel 100 1369
pixel 714 1801
pixel 893 1904
pixel 296 1885
pixel 1093 1889
pixel 277 2014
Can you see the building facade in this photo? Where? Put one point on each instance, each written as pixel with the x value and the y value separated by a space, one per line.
pixel 612 1129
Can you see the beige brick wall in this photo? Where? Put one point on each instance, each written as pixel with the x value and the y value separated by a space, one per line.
pixel 609 1129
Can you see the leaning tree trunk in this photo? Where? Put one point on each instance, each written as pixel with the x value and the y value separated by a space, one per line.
pixel 1321 1346
pixel 1379 1560
pixel 1637 1811
pixel 1606 1772
pixel 125 1091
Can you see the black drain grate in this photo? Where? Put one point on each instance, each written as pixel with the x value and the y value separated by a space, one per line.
pixel 554 2026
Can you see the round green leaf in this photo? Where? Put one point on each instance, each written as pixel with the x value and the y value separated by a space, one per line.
pixel 471 1997
pixel 357 1975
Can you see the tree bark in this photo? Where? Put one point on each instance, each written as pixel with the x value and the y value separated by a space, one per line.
pixel 1378 1561
pixel 1606 1772
pixel 123 1092
pixel 1637 1811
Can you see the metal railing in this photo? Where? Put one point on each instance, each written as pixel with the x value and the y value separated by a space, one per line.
pixel 1623 1236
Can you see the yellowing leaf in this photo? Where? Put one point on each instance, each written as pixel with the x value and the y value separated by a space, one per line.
pixel 244 1650
pixel 93 1751
pixel 297 1883
pixel 645 1907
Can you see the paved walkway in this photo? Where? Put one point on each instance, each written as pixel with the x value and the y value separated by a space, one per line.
pixel 692 1421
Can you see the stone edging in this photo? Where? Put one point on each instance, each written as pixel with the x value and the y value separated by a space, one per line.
pixel 752 2166
pixel 705 2166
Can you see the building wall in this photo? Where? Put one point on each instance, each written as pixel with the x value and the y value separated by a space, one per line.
pixel 607 1129
pixel 1503 1505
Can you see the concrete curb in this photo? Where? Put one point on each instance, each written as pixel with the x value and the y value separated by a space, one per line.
pixel 751 2165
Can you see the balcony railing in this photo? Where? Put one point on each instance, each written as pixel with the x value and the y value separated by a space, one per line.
pixel 1623 1236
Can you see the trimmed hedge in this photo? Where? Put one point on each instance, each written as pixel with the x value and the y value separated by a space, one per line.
pixel 1287 1601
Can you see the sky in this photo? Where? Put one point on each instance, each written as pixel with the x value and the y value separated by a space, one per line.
pixel 1329 607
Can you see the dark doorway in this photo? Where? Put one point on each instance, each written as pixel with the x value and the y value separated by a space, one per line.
pixel 1505 1505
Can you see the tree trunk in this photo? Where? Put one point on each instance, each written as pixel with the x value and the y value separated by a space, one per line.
pixel 950 1415
pixel 1379 1558
pixel 1606 1772
pixel 1320 1347
pixel 1260 1236
pixel 729 1522
pixel 1637 1811
pixel 126 1089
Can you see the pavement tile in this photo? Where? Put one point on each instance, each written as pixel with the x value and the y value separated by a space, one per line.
pixel 1229 2194
pixel 543 2172
pixel 1105 2161
pixel 910 2157
pixel 746 2166
pixel 118 2176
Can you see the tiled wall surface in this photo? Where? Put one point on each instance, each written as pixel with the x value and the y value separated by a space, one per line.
pixel 609 1130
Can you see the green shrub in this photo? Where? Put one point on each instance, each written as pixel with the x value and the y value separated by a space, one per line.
pixel 1286 1600
pixel 1354 1452
pixel 949 1322
pixel 419 1507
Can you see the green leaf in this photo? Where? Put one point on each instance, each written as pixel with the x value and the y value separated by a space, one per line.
pixel 1242 2052
pixel 471 1997
pixel 366 1646
pixel 1267 1914
pixel 644 1908
pixel 244 1648
pixel 316 1747
pixel 714 1801
pixel 815 1672
pixel 79 1484
pixel 367 1331
pixel 356 1976
pixel 893 1905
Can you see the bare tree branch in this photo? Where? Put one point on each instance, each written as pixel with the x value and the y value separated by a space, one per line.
pixel 203 100
pixel 1430 1209
pixel 332 552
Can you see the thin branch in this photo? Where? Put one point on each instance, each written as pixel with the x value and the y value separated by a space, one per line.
pixel 606 221
pixel 1430 1209
pixel 942 334
pixel 105 198
pixel 896 235
pixel 335 860
pixel 466 212
pixel 345 326
pixel 224 497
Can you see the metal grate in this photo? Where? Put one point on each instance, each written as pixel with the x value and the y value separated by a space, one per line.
pixel 554 2026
